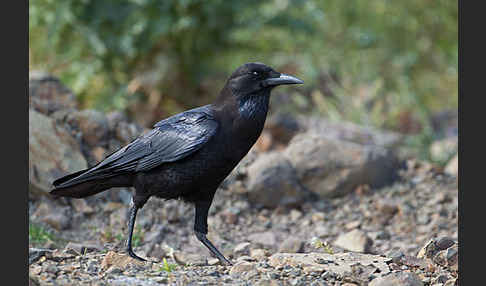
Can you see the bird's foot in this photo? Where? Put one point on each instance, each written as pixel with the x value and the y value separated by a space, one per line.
pixel 133 255
pixel 202 237
pixel 225 261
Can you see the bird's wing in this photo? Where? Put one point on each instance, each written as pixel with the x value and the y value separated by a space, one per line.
pixel 171 139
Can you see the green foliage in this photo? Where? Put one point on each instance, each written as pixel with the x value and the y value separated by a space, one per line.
pixel 137 236
pixel 39 235
pixel 318 244
pixel 100 47
pixel 390 64
pixel 167 267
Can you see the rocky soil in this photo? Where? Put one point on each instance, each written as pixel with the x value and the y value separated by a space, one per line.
pixel 314 203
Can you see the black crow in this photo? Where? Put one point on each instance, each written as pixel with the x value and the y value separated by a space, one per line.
pixel 189 154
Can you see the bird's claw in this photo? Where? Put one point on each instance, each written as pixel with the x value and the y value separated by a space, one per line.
pixel 133 255
pixel 226 262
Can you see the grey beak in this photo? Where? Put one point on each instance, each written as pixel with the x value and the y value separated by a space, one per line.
pixel 283 79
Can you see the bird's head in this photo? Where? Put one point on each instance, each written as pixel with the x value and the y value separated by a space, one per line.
pixel 257 78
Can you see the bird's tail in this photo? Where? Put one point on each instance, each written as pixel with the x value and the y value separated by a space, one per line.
pixel 80 185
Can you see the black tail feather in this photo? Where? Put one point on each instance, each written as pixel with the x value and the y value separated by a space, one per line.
pixel 64 179
pixel 79 191
pixel 90 187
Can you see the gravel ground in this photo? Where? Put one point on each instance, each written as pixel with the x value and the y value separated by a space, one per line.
pixel 390 224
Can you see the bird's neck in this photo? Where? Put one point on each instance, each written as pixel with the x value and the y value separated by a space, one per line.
pixel 254 107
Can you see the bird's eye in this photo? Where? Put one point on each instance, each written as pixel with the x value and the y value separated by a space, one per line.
pixel 255 73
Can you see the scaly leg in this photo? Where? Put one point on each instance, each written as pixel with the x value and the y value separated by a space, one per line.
pixel 131 223
pixel 201 229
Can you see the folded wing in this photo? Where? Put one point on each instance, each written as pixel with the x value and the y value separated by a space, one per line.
pixel 171 139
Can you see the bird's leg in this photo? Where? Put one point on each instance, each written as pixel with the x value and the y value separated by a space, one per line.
pixel 131 223
pixel 201 229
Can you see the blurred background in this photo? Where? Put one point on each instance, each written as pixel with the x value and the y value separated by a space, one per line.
pixel 388 64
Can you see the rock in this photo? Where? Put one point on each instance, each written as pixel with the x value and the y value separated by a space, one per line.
pixel 258 253
pixel 53 153
pixel 98 153
pixel 272 182
pixel 158 252
pixel 242 248
pixel 441 150
pixel 121 261
pixel 81 248
pixel 112 206
pixel 33 281
pixel 452 168
pixel 55 216
pixel 447 257
pixel 229 216
pixel 397 279
pixel 318 217
pixel 348 131
pixel 338 264
pixel 213 261
pixel 127 132
pixel 183 258
pixel 331 168
pixel 267 282
pixel 352 224
pixel 388 207
pixel 355 240
pixel 264 142
pixel 291 245
pixel 433 246
pixel 241 267
pixel 452 257
pixel 245 258
pixel 451 282
pixel 118 218
pixel 114 118
pixel 266 238
pixel 295 215
pixel 81 206
pixel 444 243
pixel 58 255
pixel 92 124
pixel 36 253
pixel 396 256
pixel 156 234
pixel 50 268
pixel 47 94
pixel 282 128
pixel 321 231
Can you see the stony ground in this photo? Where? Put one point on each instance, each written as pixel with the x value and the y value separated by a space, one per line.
pixel 315 202
pixel 391 225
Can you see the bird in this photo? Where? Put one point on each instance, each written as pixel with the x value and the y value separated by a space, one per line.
pixel 188 155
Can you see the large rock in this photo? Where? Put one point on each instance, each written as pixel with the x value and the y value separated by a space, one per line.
pixel 397 279
pixel 266 238
pixel 331 167
pixel 53 152
pixel 47 94
pixel 57 217
pixel 118 260
pixel 348 131
pixel 355 240
pixel 291 245
pixel 339 263
pixel 272 182
pixel 441 150
pixel 92 124
pixel 452 168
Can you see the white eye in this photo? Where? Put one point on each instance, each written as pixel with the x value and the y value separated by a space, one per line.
pixel 255 73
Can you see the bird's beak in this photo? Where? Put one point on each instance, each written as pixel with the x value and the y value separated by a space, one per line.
pixel 283 79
